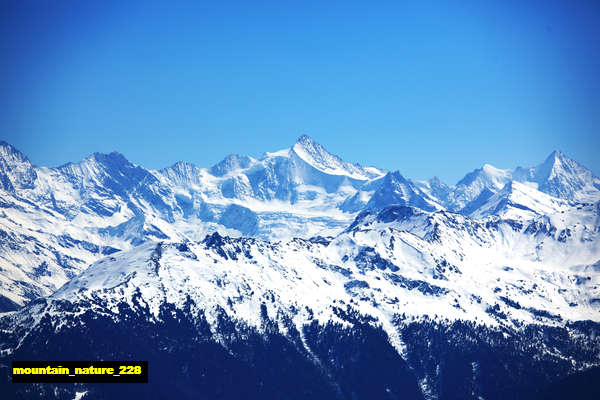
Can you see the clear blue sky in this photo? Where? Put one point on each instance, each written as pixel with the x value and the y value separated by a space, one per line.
pixel 429 88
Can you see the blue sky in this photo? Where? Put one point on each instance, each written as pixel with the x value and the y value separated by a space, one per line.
pixel 429 88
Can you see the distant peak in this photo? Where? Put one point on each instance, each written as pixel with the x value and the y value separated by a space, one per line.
pixel 112 159
pixel 437 184
pixel 491 170
pixel 113 155
pixel 553 162
pixel 556 155
pixel 235 157
pixel 7 145
pixel 305 139
pixel 181 166
pixel 318 157
pixel 231 163
pixel 308 143
pixel 394 176
pixel 9 150
pixel 486 175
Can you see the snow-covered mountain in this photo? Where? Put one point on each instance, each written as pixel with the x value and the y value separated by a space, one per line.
pixel 558 176
pixel 55 221
pixel 369 282
pixel 562 177
pixel 401 272
pixel 316 156
pixel 435 262
pixel 396 189
pixel 474 183
pixel 516 201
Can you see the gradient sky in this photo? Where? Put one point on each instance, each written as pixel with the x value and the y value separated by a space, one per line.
pixel 429 88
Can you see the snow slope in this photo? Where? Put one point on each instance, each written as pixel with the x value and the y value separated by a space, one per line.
pixel 400 260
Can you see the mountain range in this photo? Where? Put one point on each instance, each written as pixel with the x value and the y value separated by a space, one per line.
pixel 55 221
pixel 301 270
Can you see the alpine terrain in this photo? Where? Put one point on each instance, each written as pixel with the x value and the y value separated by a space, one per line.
pixel 300 275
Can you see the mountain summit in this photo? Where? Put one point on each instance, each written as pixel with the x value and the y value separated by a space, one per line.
pixel 558 176
pixel 563 177
pixel 16 171
pixel 317 156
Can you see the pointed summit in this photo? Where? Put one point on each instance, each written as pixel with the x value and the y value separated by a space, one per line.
pixel 555 159
pixel 183 173
pixel 112 158
pixel 318 157
pixel 231 163
pixel 395 189
pixel 306 144
pixel 16 171
pixel 305 140
pixel 10 153
pixel 112 172
pixel 487 175
pixel 562 177
pixel 477 182
pixel 557 153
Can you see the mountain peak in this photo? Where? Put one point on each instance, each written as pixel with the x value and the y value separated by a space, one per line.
pixel 490 169
pixel 311 146
pixel 305 140
pixel 113 155
pixel 8 151
pixel 16 171
pixel 231 163
pixel 556 154
pixel 395 189
pixel 487 175
pixel 554 159
pixel 181 167
pixel 112 160
pixel 314 154
pixel 394 176
pixel 558 164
